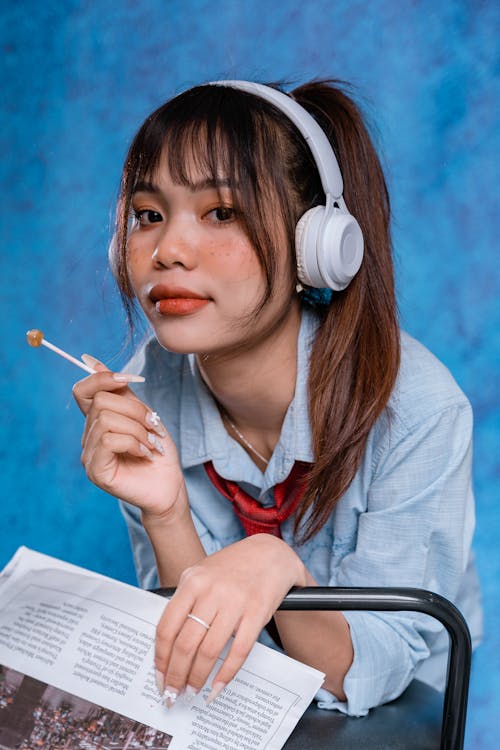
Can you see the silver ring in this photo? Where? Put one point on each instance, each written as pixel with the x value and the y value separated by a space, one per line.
pixel 199 621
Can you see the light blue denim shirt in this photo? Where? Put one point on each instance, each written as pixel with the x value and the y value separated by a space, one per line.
pixel 407 519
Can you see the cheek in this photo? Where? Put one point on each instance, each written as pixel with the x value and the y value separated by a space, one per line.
pixel 138 259
pixel 234 261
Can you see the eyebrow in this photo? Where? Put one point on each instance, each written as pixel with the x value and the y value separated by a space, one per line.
pixel 145 186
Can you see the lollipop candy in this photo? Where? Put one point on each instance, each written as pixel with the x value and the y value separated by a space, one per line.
pixel 34 337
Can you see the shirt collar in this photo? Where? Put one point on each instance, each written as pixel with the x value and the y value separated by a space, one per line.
pixel 203 436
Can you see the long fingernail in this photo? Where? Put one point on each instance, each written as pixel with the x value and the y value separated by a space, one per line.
pixel 155 442
pixel 153 419
pixel 160 681
pixel 170 694
pixel 146 452
pixel 126 377
pixel 216 690
pixel 90 361
pixel 189 693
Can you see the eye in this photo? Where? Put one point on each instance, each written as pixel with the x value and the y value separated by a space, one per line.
pixel 222 214
pixel 147 216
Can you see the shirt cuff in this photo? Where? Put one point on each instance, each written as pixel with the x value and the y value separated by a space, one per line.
pixel 387 649
pixel 327 700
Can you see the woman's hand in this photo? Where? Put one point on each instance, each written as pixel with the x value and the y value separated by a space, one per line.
pixel 125 450
pixel 235 592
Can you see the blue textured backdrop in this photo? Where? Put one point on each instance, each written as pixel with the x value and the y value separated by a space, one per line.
pixel 78 77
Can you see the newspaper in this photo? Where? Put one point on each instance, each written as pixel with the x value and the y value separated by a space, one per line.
pixel 76 656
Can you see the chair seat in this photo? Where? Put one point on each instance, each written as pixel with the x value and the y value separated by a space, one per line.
pixel 411 722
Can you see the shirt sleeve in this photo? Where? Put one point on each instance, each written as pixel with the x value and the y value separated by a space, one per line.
pixel 416 531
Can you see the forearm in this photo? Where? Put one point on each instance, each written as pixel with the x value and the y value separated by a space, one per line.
pixel 300 634
pixel 175 541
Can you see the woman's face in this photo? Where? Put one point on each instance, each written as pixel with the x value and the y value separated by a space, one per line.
pixel 194 271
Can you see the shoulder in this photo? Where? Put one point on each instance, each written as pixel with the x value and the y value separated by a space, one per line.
pixel 424 388
pixel 425 432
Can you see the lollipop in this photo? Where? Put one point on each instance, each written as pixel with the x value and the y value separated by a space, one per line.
pixel 35 338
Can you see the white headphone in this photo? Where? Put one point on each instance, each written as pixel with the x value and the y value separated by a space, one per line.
pixel 328 239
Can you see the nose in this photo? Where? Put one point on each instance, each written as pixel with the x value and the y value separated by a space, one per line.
pixel 176 247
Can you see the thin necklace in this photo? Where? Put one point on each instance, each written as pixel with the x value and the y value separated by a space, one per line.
pixel 244 440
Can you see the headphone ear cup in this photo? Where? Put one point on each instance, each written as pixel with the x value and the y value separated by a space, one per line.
pixel 306 240
pixel 340 251
pixel 329 249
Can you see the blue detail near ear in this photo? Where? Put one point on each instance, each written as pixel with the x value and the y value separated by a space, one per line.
pixel 317 297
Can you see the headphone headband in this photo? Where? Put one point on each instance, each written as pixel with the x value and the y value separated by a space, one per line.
pixel 328 239
pixel 320 146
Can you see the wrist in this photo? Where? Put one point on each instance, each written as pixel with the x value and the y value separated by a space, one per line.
pixel 303 576
pixel 177 512
pixel 174 539
pixel 299 575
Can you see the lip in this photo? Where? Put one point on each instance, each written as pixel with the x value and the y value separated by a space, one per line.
pixel 170 300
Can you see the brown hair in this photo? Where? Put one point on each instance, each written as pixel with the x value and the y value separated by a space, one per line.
pixel 355 357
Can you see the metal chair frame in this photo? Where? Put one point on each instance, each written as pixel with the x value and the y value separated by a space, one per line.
pixel 324 598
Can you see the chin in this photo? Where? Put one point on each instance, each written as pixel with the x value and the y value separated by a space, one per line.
pixel 182 339
pixel 200 335
pixel 175 348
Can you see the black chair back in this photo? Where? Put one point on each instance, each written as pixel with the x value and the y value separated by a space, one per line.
pixel 454 705
pixel 408 600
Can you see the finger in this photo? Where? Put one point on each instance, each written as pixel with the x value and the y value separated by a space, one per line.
pixel 173 618
pixel 184 651
pixel 243 642
pixel 210 649
pixel 116 407
pixel 99 366
pixel 111 422
pixel 131 408
pixel 190 589
pixel 85 390
pixel 101 465
pixel 94 363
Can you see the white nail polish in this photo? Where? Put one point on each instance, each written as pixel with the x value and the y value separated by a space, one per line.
pixel 170 694
pixel 189 693
pixel 146 452
pixel 125 377
pixel 153 419
pixel 156 443
pixel 90 361
pixel 159 679
pixel 216 690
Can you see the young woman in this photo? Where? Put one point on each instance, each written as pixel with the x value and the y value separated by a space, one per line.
pixel 287 433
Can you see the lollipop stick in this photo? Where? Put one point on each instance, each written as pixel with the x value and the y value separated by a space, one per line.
pixel 67 356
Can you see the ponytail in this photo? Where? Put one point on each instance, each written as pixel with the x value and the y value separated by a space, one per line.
pixel 355 357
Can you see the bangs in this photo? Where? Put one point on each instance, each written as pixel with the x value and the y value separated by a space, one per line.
pixel 193 152
pixel 203 135
pixel 197 152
